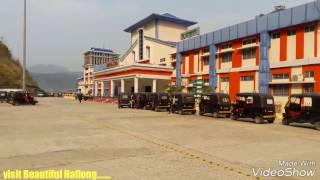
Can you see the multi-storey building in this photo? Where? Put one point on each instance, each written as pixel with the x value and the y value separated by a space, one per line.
pixel 276 53
pixel 96 57
pixel 146 66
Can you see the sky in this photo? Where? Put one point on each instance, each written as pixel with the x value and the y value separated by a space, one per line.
pixel 60 31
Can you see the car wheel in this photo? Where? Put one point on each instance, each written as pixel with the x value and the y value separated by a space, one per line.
pixel 258 120
pixel 317 125
pixel 270 121
pixel 285 121
pixel 215 115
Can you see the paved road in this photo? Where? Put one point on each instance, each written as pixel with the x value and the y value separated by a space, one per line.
pixel 144 145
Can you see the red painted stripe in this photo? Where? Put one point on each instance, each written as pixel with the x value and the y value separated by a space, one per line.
pixel 191 63
pixel 283 45
pixel 234 85
pixel 258 52
pixel 133 72
pixel 202 64
pixel 300 43
pixel 183 64
pixel 199 55
pixel 237 54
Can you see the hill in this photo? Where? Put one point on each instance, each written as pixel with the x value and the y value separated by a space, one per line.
pixel 11 70
pixel 56 81
pixel 48 69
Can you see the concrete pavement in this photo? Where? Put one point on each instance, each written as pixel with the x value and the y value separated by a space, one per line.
pixel 139 144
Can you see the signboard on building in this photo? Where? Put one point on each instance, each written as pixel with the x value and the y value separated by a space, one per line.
pixel 190 33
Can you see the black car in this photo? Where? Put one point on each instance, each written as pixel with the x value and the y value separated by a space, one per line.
pixel 21 98
pixel 157 101
pixel 217 104
pixel 3 96
pixel 123 100
pixel 303 108
pixel 182 103
pixel 257 106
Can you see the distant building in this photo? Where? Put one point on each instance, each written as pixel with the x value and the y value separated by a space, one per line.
pixel 92 58
pixel 80 82
pixel 146 65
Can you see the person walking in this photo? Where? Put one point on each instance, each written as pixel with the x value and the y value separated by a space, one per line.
pixel 80 97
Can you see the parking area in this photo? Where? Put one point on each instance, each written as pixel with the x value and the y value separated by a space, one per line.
pixel 140 144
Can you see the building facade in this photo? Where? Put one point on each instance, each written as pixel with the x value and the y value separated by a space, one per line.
pixel 276 53
pixel 146 65
pixel 96 57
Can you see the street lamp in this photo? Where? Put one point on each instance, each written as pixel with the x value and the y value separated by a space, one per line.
pixel 24 46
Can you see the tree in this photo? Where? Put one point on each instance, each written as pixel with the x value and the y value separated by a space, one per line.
pixel 173 89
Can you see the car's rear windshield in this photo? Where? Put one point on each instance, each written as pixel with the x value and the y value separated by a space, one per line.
pixel 268 101
pixel 189 99
pixel 224 100
pixel 125 96
pixel 163 97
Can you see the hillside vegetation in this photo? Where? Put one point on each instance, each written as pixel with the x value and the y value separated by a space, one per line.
pixel 11 70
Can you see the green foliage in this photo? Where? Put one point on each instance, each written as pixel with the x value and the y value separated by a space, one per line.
pixel 207 89
pixel 173 89
pixel 11 70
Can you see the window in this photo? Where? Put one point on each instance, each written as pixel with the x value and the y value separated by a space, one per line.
pixel 249 41
pixel 280 76
pixel 148 51
pixel 309 29
pixel 276 35
pixel 246 78
pixel 280 90
pixel 226 46
pixel 140 44
pixel 206 60
pixel 224 79
pixel 226 57
pixel 163 60
pixel 291 32
pixel 206 50
pixel 309 74
pixel 249 53
pixel 308 88
pixel 249 100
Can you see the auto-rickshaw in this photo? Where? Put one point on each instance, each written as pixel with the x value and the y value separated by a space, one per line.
pixel 257 106
pixel 21 98
pixel 303 108
pixel 182 103
pixel 157 101
pixel 217 104
pixel 149 101
pixel 123 100
pixel 139 100
pixel 3 96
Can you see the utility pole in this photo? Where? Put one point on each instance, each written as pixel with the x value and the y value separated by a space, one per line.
pixel 24 46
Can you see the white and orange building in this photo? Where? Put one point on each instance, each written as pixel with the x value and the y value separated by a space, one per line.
pixel 276 53
pixel 146 65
